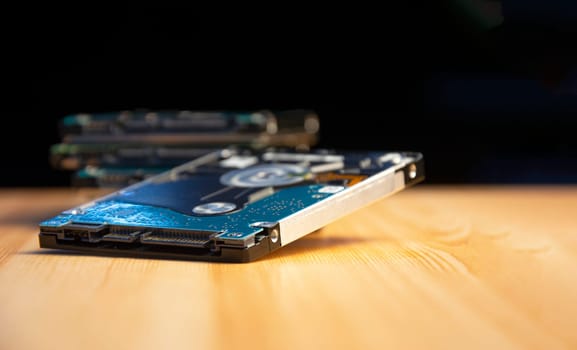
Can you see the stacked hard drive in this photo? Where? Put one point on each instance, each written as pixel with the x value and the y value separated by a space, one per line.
pixel 120 148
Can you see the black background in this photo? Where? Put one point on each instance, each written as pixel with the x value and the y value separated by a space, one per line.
pixel 484 106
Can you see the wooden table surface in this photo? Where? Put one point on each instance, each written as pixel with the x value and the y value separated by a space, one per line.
pixel 433 267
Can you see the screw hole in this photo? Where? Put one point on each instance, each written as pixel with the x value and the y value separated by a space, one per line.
pixel 274 235
pixel 412 171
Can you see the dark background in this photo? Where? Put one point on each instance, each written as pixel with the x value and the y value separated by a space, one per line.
pixel 486 101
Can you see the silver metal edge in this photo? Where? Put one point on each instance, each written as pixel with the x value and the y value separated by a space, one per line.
pixel 341 204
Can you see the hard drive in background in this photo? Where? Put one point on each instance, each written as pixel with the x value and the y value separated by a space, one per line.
pixel 119 148
pixel 233 204
pixel 112 177
pixel 291 128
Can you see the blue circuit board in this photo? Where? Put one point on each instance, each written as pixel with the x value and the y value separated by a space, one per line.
pixel 236 225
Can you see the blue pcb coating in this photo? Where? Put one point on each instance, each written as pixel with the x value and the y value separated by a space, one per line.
pixel 270 209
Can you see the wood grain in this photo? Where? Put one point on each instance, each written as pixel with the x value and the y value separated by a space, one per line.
pixel 469 267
